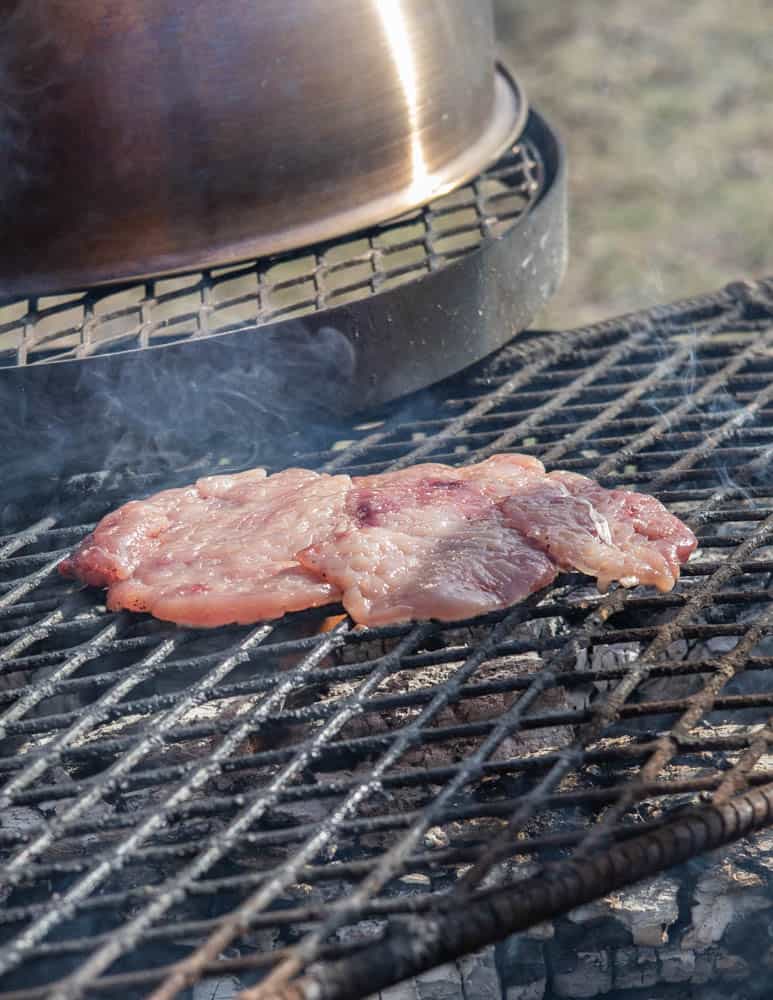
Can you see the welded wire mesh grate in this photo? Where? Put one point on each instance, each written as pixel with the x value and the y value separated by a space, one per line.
pixel 288 797
pixel 168 310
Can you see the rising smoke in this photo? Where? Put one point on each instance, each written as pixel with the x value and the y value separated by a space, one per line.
pixel 259 396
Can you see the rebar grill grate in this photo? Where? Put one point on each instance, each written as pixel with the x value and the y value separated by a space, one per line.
pixel 281 799
pixel 218 300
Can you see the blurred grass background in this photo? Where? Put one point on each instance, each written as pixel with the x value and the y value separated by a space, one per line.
pixel 666 110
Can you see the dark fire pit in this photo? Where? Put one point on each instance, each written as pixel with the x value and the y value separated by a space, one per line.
pixel 339 808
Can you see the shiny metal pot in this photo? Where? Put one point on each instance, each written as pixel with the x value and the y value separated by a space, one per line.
pixel 147 136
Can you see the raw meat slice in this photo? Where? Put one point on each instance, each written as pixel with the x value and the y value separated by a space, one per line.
pixel 219 552
pixel 644 542
pixel 628 512
pixel 502 475
pixel 429 541
pixel 425 543
pixel 576 534
pixel 498 476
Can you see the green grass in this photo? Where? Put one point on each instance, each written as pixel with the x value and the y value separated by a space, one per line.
pixel 665 108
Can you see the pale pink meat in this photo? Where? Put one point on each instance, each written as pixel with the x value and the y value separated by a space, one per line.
pixel 426 543
pixel 609 534
pixel 429 541
pixel 218 552
pixel 503 475
pixel 651 544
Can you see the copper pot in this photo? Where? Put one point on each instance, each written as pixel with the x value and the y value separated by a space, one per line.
pixel 150 136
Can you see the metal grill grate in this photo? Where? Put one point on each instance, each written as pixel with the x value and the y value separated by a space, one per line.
pixel 284 800
pixel 219 300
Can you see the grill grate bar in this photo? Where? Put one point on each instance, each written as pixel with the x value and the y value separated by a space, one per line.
pixel 341 910
pixel 103 957
pixel 498 912
pixel 11 543
pixel 52 751
pixel 161 775
pixel 659 755
pixel 461 852
pixel 148 706
pixel 511 646
pixel 591 388
pixel 27 697
pixel 676 439
pixel 658 791
pixel 740 773
pixel 532 367
pixel 608 711
pixel 502 417
pixel 13 954
pixel 667 746
pixel 190 969
pixel 466 851
pixel 666 421
pixel 626 376
pixel 30 582
pixel 400 904
pixel 128 980
pixel 207 806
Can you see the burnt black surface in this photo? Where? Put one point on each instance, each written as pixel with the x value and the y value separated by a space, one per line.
pixel 215 799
